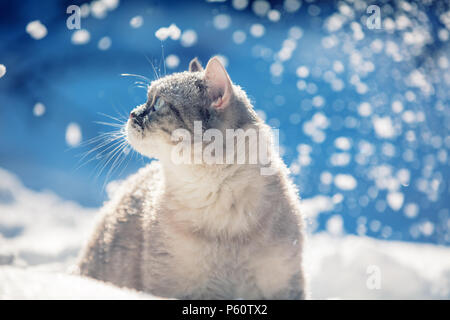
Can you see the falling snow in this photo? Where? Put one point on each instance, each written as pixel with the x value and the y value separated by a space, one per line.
pixel 36 30
pixel 73 134
pixel 2 70
pixel 137 22
pixel 172 61
pixel 104 43
pixel 38 109
pixel 80 37
pixel 345 181
pixel 172 31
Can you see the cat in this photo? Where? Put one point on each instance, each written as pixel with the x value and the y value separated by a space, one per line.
pixel 199 230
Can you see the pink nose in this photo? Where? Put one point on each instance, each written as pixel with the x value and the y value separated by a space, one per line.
pixel 131 115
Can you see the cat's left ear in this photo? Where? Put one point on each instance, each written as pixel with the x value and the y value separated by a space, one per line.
pixel 218 84
pixel 195 66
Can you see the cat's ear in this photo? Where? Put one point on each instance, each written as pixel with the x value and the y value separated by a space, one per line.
pixel 218 84
pixel 195 66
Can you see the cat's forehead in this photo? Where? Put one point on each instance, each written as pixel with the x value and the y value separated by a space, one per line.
pixel 177 84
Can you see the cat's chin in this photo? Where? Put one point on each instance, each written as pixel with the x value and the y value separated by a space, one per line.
pixel 140 142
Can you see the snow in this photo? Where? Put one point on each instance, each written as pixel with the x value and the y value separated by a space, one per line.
pixel 335 225
pixel 338 267
pixel 326 177
pixel 335 22
pixel 240 4
pixel 36 29
pixel 345 181
pixel 365 109
pixel 172 31
pixel 29 283
pixel 104 43
pixel 222 21
pixel 418 79
pixel 111 4
pixel 136 22
pixel 340 159
pixel 260 7
pixel 316 205
pixel 85 9
pixel 411 210
pixel 38 109
pixel 383 127
pixel 343 143
pixel 315 127
pixel 73 134
pixel 36 255
pixel 302 71
pixel 274 15
pixel 276 69
pixel 81 37
pixel 395 200
pixel 397 106
pixel 189 38
pixel 257 30
pixel 99 9
pixel 292 5
pixel 172 61
pixel 239 36
pixel 295 32
pixel 318 101
pixel 338 67
pixel 2 70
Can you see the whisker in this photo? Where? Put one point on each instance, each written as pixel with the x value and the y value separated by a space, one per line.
pixel 128 162
pixel 153 66
pixel 103 136
pixel 109 124
pixel 110 156
pixel 112 118
pixel 163 58
pixel 139 86
pixel 119 159
pixel 121 113
pixel 107 144
pixel 137 76
pixel 110 149
pixel 140 82
pixel 94 140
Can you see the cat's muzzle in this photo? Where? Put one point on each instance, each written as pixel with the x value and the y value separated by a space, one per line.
pixel 139 115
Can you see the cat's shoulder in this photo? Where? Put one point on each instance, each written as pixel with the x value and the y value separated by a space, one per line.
pixel 145 184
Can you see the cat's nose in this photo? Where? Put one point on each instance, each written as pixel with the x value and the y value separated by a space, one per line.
pixel 132 115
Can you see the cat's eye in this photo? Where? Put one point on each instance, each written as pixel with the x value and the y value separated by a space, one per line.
pixel 159 104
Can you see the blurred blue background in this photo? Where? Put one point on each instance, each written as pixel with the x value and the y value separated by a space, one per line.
pixel 363 113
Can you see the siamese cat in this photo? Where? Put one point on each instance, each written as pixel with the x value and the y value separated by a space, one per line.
pixel 200 229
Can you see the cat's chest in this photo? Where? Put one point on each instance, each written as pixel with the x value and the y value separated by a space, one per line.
pixel 200 256
pixel 202 264
pixel 213 270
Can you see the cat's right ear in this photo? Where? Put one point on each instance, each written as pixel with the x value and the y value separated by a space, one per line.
pixel 195 66
pixel 218 84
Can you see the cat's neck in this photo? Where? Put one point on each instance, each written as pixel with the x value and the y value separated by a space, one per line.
pixel 198 186
pixel 221 201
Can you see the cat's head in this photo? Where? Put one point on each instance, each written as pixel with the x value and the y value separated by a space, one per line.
pixel 178 100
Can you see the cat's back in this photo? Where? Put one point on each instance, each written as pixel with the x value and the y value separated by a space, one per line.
pixel 114 250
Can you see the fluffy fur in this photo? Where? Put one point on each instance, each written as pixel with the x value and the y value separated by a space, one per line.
pixel 199 231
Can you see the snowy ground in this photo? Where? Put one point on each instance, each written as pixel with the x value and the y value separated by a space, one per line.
pixel 40 236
